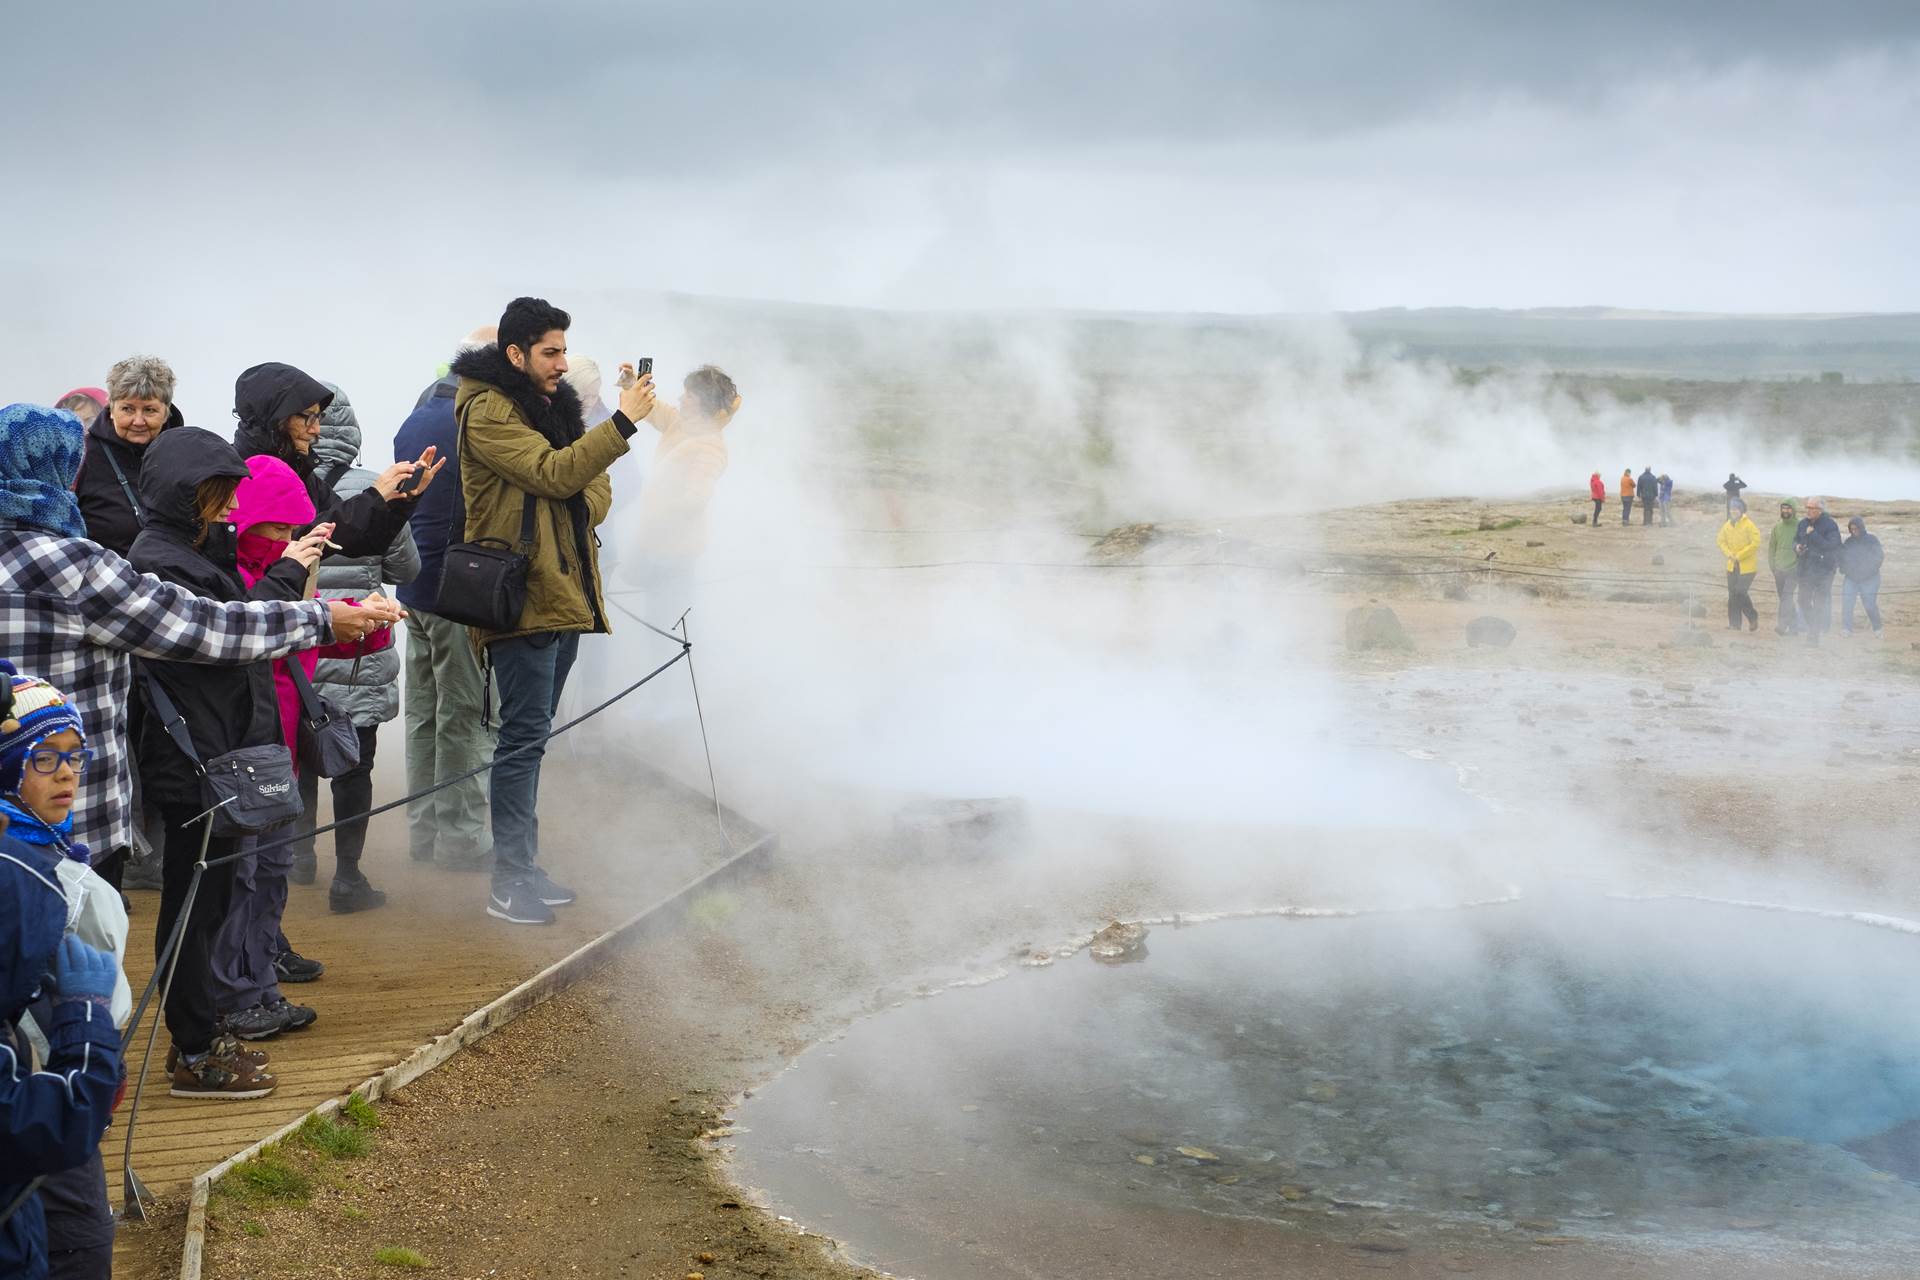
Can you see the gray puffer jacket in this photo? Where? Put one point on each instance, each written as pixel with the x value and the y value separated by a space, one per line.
pixel 369 690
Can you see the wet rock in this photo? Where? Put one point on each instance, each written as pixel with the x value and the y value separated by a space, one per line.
pixel 1201 1154
pixel 1374 626
pixel 1497 632
pixel 962 828
pixel 1580 519
pixel 1119 943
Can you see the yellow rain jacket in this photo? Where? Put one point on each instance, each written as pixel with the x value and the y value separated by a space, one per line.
pixel 1740 544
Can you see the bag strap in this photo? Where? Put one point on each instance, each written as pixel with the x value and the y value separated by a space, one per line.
pixel 172 721
pixel 139 512
pixel 310 705
pixel 525 545
pixel 331 476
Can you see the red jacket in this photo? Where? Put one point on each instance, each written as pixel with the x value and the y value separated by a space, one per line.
pixel 1598 487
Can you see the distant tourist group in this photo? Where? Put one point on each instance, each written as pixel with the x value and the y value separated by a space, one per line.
pixel 1805 552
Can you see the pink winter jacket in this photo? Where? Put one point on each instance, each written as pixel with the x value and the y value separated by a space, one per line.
pixel 273 494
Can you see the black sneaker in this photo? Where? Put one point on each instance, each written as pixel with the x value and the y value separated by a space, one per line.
pixel 291 966
pixel 347 896
pixel 293 1017
pixel 518 904
pixel 257 1023
pixel 305 868
pixel 550 893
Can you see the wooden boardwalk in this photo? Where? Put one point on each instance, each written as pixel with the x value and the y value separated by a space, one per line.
pixel 402 975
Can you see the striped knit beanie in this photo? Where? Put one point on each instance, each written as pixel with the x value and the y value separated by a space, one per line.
pixel 39 712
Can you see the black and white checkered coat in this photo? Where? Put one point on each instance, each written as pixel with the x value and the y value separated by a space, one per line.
pixel 76 615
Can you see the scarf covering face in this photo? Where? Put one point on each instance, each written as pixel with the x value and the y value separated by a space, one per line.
pixel 40 452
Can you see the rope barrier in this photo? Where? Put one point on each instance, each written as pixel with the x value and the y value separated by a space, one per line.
pixel 167 961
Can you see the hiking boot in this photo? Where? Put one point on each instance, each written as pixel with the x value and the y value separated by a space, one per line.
pixel 350 894
pixel 293 1017
pixel 257 1023
pixel 518 903
pixel 291 966
pixel 550 893
pixel 304 870
pixel 224 1047
pixel 212 1076
pixel 420 853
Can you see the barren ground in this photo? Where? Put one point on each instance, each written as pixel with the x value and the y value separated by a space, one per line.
pixel 571 1142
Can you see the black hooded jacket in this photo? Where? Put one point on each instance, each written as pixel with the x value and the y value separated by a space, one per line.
pixel 264 397
pixel 225 707
pixel 1818 542
pixel 112 514
pixel 1648 487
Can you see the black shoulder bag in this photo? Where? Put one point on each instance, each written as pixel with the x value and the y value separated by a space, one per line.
pixel 329 744
pixel 483 583
pixel 249 791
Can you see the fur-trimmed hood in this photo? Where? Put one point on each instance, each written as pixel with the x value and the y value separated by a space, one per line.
pixel 556 417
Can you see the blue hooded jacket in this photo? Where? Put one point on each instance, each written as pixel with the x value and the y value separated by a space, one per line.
pixel 50 1119
pixel 440 517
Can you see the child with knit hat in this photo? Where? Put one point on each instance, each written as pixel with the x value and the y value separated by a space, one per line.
pixel 43 758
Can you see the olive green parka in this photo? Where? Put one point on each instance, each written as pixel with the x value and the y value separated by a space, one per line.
pixel 515 442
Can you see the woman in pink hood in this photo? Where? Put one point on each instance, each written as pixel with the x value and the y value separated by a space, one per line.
pixel 269 505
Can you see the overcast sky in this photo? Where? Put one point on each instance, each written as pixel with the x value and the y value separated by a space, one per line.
pixel 1256 156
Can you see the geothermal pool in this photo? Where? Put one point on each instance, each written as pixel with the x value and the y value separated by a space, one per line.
pixel 1665 1087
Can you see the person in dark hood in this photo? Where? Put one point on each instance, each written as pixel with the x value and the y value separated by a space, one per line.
pixel 279 409
pixel 1817 542
pixel 1648 487
pixel 1860 558
pixel 52 1119
pixel 188 487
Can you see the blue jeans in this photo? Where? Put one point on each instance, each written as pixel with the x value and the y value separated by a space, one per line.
pixel 532 672
pixel 1867 591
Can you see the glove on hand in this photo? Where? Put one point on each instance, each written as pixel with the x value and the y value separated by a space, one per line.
pixel 82 973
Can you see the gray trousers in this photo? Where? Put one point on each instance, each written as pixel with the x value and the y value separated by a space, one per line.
pixel 249 937
pixel 445 739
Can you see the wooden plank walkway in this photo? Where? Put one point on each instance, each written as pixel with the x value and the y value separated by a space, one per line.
pixel 402 975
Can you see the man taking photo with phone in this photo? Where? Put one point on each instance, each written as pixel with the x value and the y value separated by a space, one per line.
pixel 535 477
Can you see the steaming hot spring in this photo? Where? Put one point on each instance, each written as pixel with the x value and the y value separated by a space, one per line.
pixel 1570 1087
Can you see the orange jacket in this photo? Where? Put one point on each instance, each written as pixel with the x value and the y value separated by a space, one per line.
pixel 1626 485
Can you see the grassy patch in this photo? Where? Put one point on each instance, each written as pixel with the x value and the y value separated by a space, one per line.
pixel 253 1227
pixel 267 1180
pixel 360 1113
pixel 394 1255
pixel 329 1137
pixel 1502 527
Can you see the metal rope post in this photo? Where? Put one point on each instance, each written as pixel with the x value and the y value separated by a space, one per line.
pixel 133 1192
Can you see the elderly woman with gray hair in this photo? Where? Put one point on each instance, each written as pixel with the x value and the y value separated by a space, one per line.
pixel 139 407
